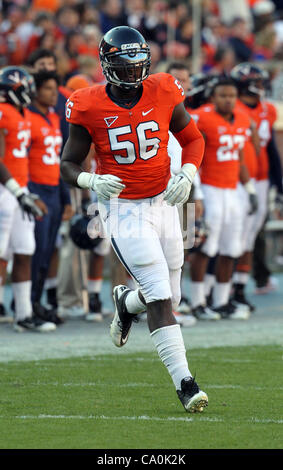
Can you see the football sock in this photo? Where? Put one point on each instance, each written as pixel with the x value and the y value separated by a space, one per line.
pixel 51 283
pixel 240 277
pixel 94 286
pixel 133 302
pixel 197 294
pixel 171 350
pixel 209 281
pixel 221 294
pixel 22 296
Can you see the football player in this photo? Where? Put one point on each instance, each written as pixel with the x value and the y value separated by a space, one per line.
pixel 251 81
pixel 224 130
pixel 44 174
pixel 40 60
pixel 181 73
pixel 18 206
pixel 128 120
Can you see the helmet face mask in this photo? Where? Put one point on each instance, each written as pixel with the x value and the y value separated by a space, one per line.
pixel 17 86
pixel 200 91
pixel 250 80
pixel 125 57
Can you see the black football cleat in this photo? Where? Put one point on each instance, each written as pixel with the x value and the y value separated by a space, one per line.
pixel 192 398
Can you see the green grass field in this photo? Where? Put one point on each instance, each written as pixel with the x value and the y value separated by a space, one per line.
pixel 129 402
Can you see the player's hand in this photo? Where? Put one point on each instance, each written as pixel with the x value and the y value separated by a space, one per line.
pixel 32 205
pixel 178 189
pixel 67 213
pixel 105 186
pixel 199 208
pixel 253 200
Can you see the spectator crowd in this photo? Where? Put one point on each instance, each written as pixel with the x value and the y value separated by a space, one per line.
pixel 231 32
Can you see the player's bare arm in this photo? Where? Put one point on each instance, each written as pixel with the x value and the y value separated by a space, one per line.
pixel 34 206
pixel 5 175
pixel 255 137
pixel 75 152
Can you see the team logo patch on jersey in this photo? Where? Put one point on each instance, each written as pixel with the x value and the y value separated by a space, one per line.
pixel 44 130
pixel 110 120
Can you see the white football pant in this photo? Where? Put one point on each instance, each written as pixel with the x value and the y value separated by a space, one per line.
pixel 223 215
pixel 147 238
pixel 16 229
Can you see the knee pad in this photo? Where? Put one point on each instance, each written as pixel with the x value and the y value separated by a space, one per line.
pixel 142 254
pixel 156 290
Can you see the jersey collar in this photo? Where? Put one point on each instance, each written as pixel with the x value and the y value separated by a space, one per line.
pixel 122 103
pixel 34 109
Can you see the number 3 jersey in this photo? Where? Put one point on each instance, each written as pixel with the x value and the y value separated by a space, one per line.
pixel 223 141
pixel 130 142
pixel 16 127
pixel 45 148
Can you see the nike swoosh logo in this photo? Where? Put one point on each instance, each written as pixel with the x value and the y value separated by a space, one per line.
pixel 144 113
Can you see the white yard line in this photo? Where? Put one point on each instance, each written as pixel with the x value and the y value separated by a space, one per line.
pixel 146 385
pixel 145 418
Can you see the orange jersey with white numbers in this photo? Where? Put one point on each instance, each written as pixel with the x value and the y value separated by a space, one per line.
pixel 16 127
pixel 264 115
pixel 46 143
pixel 130 143
pixel 223 141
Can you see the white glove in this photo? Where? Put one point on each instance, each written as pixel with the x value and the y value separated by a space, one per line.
pixel 253 198
pixel 105 186
pixel 25 198
pixel 179 186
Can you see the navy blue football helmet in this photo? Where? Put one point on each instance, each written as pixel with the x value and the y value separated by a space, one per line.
pixel 125 57
pixel 17 86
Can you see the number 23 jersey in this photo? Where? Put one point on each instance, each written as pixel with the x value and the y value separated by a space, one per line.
pixel 130 143
pixel 223 141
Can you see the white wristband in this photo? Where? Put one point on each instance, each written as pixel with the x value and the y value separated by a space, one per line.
pixel 189 169
pixel 249 187
pixel 13 186
pixel 83 180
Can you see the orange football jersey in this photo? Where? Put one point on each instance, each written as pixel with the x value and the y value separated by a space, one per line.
pixel 223 140
pixel 130 142
pixel 195 112
pixel 16 128
pixel 44 152
pixel 264 115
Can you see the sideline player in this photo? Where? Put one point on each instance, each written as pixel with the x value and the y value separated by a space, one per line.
pixel 39 60
pixel 128 120
pixel 182 74
pixel 224 130
pixel 44 175
pixel 17 205
pixel 251 80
